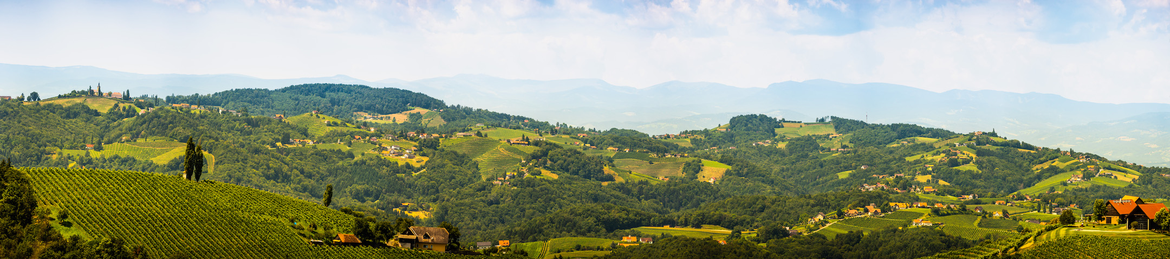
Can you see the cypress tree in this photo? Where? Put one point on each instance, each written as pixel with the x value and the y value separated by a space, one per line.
pixel 188 166
pixel 198 162
pixel 328 195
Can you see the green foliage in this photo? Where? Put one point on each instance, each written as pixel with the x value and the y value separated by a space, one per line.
pixel 232 221
pixel 886 243
pixel 571 161
pixel 338 100
pixel 1067 217
pixel 1081 246
pixel 755 123
pixel 691 169
pixel 327 197
pixel 686 247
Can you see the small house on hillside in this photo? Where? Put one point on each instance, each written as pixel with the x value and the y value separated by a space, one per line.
pixel 647 240
pixel 483 245
pixel 630 239
pixel 347 239
pixel 426 238
pixel 504 243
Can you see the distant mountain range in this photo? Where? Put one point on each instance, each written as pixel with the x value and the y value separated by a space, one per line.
pixel 1127 131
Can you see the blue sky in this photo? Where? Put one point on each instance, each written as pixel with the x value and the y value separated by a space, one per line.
pixel 1101 51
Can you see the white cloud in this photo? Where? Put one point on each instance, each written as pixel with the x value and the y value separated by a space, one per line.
pixel 749 43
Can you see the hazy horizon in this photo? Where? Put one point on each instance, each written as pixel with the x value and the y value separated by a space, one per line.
pixel 1108 52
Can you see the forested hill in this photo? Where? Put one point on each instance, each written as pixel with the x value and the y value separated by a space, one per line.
pixel 332 99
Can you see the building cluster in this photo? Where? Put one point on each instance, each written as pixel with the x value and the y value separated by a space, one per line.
pixel 1132 211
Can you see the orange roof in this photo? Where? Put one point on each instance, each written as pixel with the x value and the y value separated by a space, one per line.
pixel 1151 209
pixel 348 239
pixel 1123 208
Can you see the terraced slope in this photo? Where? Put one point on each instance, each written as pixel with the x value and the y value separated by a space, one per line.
pixel 168 216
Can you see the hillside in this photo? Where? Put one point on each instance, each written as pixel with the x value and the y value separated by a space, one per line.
pixel 170 216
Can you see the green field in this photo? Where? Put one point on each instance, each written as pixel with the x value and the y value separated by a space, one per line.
pixel 817 129
pixel 316 124
pixel 1043 217
pixel 932 198
pixel 875 223
pixel 685 142
pixel 502 133
pixel 715 164
pixel 956 220
pixel 579 254
pixel 632 155
pixel 717 234
pixel 904 215
pixel 656 169
pixel 565 244
pixel 845 174
pixel 1051 182
pixel 101 104
pixel 998 223
pixel 168 215
pixel 532 248
pixel 992 207
pixel 471 146
pixel 974 233
pixel 1099 247
pixel 498 160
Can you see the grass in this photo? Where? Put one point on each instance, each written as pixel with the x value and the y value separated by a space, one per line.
pixel 471 146
pixel 568 243
pixel 992 207
pixel 1043 186
pixel 316 123
pixel 168 215
pixel 498 160
pixel 956 220
pixel 656 169
pixel 630 176
pixel 969 167
pixel 502 133
pixel 686 142
pixel 937 198
pixel 975 233
pixel 845 174
pixel 923 178
pixel 715 164
pixel 100 104
pixel 795 129
pixel 688 232
pixel 998 223
pixel 904 215
pixel 1043 217
pixel 874 223
pixel 579 254
pixel 712 172
pixel 632 155
pixel 532 248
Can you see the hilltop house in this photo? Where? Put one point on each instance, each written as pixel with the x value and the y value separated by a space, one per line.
pixel 648 240
pixel 630 239
pixel 427 238
pixel 1132 211
pixel 504 243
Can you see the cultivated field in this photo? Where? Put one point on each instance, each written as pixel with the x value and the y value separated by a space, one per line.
pixel 168 216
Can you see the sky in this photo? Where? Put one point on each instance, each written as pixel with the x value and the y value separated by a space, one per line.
pixel 1110 51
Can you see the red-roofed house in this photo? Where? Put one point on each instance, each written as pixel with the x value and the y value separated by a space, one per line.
pixel 1132 211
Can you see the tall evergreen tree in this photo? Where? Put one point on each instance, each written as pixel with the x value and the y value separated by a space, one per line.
pixel 188 166
pixel 328 195
pixel 198 162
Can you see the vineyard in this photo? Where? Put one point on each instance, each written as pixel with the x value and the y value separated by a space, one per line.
pixel 1079 246
pixel 903 215
pixel 983 250
pixel 975 233
pixel 168 216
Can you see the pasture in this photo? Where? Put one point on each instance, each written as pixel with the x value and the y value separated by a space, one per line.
pixel 801 129
pixel 100 104
pixel 316 123
pixel 903 215
pixel 655 169
pixel 717 234
pixel 686 142
pixel 845 174
pixel 1051 182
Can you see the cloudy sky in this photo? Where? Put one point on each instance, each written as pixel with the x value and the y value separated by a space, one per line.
pixel 1101 51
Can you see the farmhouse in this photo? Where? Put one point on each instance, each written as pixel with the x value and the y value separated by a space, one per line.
pixel 630 239
pixel 504 243
pixel 347 239
pixel 427 238
pixel 1132 211
pixel 647 240
pixel 928 189
pixel 483 245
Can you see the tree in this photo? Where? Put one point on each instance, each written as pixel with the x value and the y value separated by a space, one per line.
pixel 328 196
pixel 452 234
pixel 1163 219
pixel 361 229
pixel 198 162
pixel 34 96
pixel 1067 217
pixel 17 199
pixel 1100 207
pixel 188 164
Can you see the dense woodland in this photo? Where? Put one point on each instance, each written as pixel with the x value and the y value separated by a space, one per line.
pixel 766 188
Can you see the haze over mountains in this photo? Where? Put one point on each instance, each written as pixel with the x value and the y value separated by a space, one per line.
pixel 1133 132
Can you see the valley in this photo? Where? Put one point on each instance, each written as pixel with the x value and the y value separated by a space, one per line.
pixel 291 170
